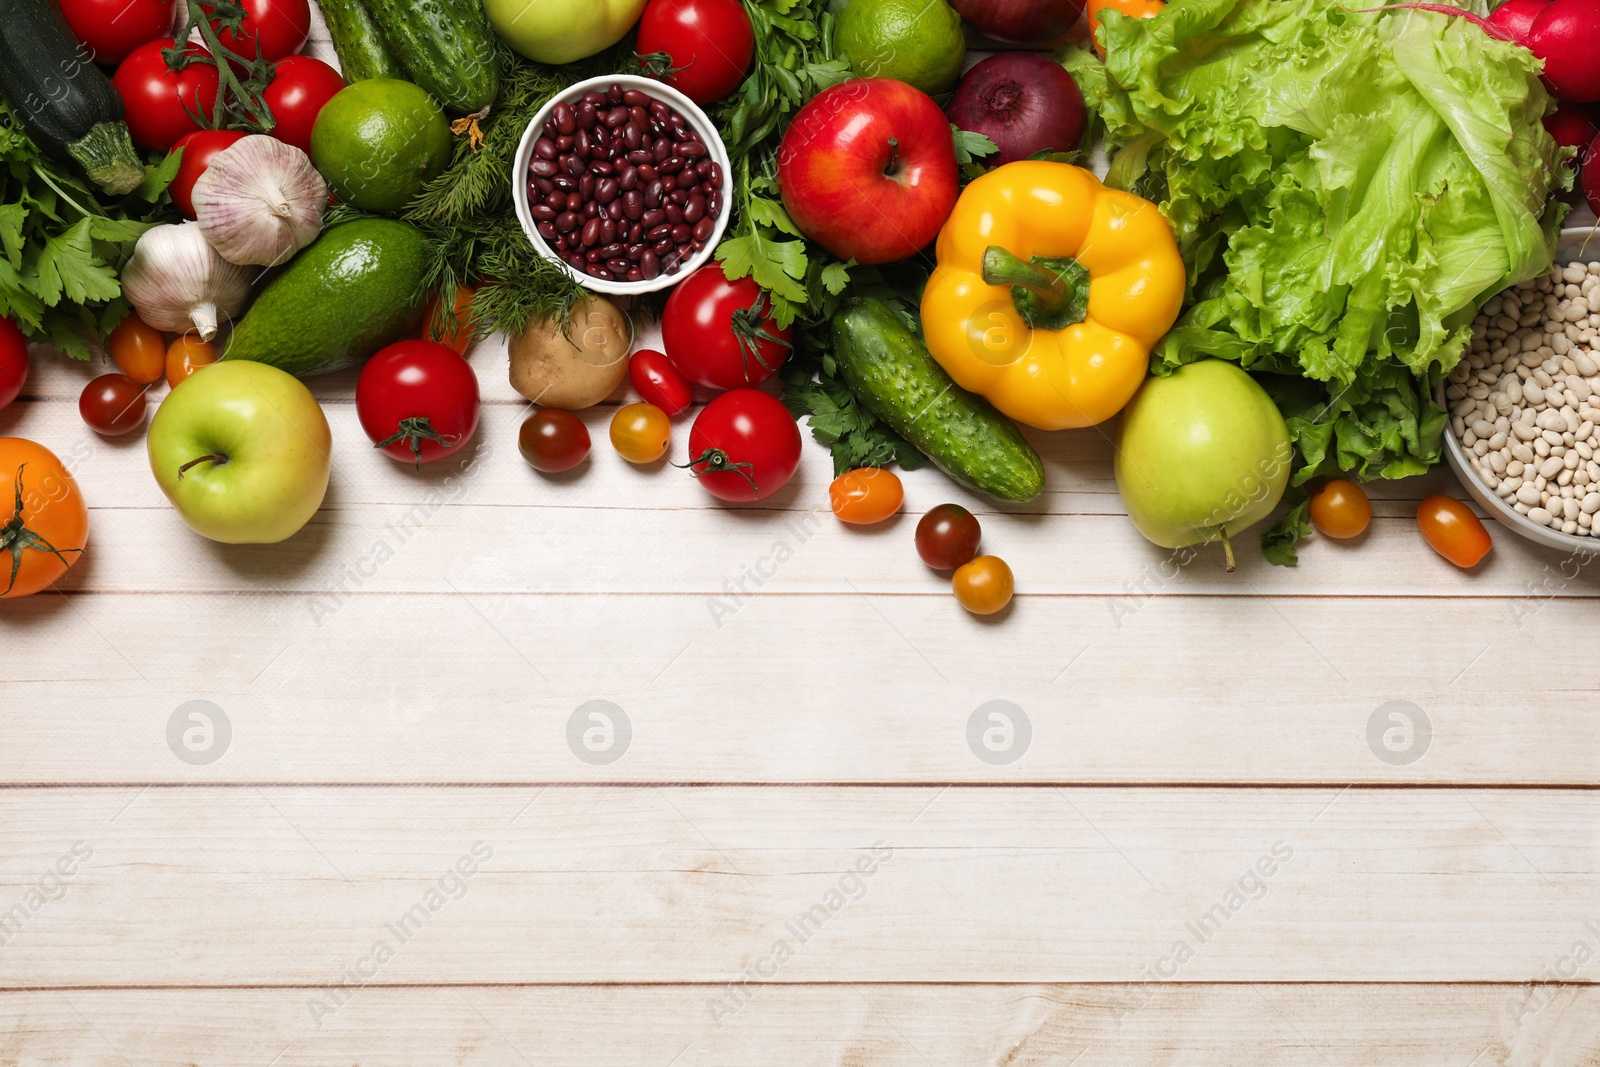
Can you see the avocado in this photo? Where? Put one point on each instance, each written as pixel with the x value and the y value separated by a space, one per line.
pixel 349 293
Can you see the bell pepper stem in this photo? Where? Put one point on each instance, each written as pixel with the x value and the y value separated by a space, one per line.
pixel 1049 293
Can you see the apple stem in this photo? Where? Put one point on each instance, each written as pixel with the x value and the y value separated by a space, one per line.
pixel 893 166
pixel 213 458
pixel 1227 554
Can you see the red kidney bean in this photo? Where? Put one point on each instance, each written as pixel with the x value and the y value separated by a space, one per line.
pixel 679 197
pixel 635 274
pixel 586 187
pixel 633 205
pixel 591 233
pixel 617 266
pixel 608 231
pixel 564 183
pixel 634 98
pixel 614 94
pixel 542 212
pixel 630 136
pixel 545 148
pixel 649 264
pixel 543 168
pixel 691 149
pixel 591 210
pixel 694 209
pixel 601 167
pixel 582 145
pixel 544 185
pixel 616 117
pixel 627 177
pixel 610 251
pixel 594 98
pixel 547 231
pixel 574 202
pixel 660 151
pixel 565 120
pixel 674 214
pixel 564 143
pixel 600 272
pixel 577 262
pixel 614 210
pixel 648 173
pixel 605 190
pixel 663 246
pixel 653 218
pixel 635 233
pixel 556 201
pixel 681 234
pixel 567 220
pixel 703 229
pixel 656 233
pixel 638 117
pixel 669 182
pixel 670 165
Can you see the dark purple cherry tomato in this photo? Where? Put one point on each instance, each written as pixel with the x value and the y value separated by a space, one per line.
pixel 659 383
pixel 947 537
pixel 552 440
pixel 112 404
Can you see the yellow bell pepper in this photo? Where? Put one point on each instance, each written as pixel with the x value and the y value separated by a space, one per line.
pixel 1049 292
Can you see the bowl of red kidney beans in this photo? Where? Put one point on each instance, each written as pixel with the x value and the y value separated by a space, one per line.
pixel 624 181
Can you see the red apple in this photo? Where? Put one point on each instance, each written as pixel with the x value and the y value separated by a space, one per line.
pixel 1022 101
pixel 1026 21
pixel 1516 17
pixel 867 169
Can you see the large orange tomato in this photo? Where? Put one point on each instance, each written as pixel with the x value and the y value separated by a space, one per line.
pixel 46 524
pixel 1134 9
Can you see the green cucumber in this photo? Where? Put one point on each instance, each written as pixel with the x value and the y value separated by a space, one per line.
pixel 891 372
pixel 446 45
pixel 349 293
pixel 356 38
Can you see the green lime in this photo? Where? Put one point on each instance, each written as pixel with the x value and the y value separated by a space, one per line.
pixel 918 42
pixel 379 141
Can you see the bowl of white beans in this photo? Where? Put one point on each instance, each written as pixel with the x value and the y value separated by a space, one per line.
pixel 1524 402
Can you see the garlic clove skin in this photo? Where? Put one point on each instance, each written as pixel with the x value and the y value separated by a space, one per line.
pixel 177 282
pixel 259 201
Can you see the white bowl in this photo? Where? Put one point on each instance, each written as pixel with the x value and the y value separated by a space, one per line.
pixel 697 120
pixel 1577 244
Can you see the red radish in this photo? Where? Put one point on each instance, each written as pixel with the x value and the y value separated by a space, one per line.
pixel 1563 36
pixel 1589 175
pixel 1573 126
pixel 1516 17
pixel 1022 101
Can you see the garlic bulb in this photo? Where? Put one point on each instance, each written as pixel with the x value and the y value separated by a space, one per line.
pixel 259 201
pixel 176 281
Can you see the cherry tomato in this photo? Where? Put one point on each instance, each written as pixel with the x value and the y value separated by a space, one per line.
pixel 186 355
pixel 744 445
pixel 866 495
pixel 199 148
pixel 702 48
pixel 1341 509
pixel 111 29
pixel 280 27
pixel 138 350
pixel 13 362
pixel 719 333
pixel 456 329
pixel 300 86
pixel 159 102
pixel 947 537
pixel 42 518
pixel 418 401
pixel 112 404
pixel 983 585
pixel 552 440
pixel 658 381
pixel 1453 531
pixel 641 433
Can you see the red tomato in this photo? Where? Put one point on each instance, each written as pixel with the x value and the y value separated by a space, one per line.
pixel 658 381
pixel 159 101
pixel 744 445
pixel 280 27
pixel 13 361
pixel 418 401
pixel 112 404
pixel 720 333
pixel 198 148
pixel 300 86
pixel 111 29
pixel 707 45
pixel 1453 531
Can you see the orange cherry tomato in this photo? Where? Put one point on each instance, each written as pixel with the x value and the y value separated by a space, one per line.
pixel 1341 509
pixel 42 517
pixel 187 355
pixel 1134 9
pixel 866 495
pixel 1453 531
pixel 641 433
pixel 454 330
pixel 984 585
pixel 138 350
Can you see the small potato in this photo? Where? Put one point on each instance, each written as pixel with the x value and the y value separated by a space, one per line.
pixel 573 367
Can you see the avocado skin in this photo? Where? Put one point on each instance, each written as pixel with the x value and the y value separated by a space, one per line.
pixel 349 293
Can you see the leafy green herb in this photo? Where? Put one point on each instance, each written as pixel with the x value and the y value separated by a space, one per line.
pixel 62 241
pixel 813 388
pixel 1278 542
pixel 970 146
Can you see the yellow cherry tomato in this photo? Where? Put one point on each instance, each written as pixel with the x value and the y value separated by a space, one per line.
pixel 866 495
pixel 186 355
pixel 641 433
pixel 138 350
pixel 1341 509
pixel 984 585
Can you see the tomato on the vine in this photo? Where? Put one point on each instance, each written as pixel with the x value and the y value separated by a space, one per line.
pixel 198 149
pixel 111 29
pixel 159 102
pixel 948 536
pixel 44 524
pixel 720 334
pixel 641 433
pixel 280 27
pixel 866 495
pixel 744 445
pixel 13 361
pixel 138 350
pixel 1341 509
pixel 658 381
pixel 983 585
pixel 418 401
pixel 186 355
pixel 702 48
pixel 1453 531
pixel 300 86
pixel 112 404
pixel 553 440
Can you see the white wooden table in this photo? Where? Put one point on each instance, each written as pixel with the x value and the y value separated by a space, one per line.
pixel 1343 814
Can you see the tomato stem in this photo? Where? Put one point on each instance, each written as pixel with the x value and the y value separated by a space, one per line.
pixel 750 331
pixel 15 538
pixel 716 461
pixel 413 432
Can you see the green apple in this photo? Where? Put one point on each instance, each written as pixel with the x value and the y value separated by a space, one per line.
pixel 241 449
pixel 1201 454
pixel 562 31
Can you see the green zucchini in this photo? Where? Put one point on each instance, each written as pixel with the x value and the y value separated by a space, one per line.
pixel 362 51
pixel 890 371
pixel 446 45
